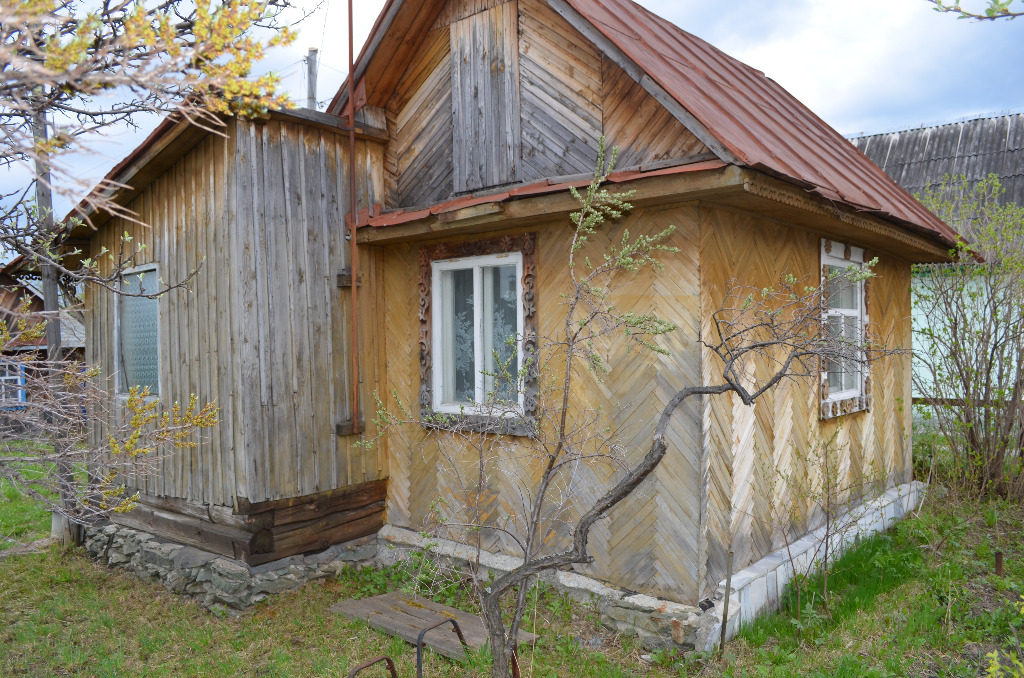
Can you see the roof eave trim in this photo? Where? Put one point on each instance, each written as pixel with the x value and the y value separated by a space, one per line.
pixel 366 54
pixel 787 193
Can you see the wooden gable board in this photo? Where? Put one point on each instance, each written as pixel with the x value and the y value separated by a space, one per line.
pixel 610 50
pixel 485 101
pixel 555 91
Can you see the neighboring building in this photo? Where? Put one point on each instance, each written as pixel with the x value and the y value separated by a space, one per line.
pixel 476 117
pixel 922 157
pixel 976 148
pixel 21 354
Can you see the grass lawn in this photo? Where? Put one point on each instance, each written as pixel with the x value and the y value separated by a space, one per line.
pixel 21 520
pixel 919 601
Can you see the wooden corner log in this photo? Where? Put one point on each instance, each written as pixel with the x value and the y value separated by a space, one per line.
pixel 323 501
pixel 191 531
pixel 262 532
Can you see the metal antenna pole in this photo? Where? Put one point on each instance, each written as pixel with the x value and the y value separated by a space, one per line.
pixel 311 69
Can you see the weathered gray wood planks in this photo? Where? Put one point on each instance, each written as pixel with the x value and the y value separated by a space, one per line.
pixel 560 90
pixel 485 98
pixel 261 212
pixel 404 616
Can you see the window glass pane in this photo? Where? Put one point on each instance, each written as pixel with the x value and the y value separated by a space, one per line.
pixel 11 382
pixel 851 369
pixel 139 333
pixel 842 293
pixel 843 375
pixel 458 348
pixel 835 367
pixel 500 324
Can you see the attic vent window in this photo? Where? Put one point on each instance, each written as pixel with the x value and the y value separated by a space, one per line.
pixel 845 384
pixel 137 331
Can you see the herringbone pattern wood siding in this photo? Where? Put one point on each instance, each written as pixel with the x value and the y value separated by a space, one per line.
pixel 651 541
pixel 738 440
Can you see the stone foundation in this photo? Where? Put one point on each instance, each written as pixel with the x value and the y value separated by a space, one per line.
pixel 663 624
pixel 758 589
pixel 219 583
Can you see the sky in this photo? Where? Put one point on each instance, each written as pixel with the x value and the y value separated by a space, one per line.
pixel 864 66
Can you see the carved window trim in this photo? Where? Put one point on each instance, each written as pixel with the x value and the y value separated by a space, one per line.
pixel 834 253
pixel 525 244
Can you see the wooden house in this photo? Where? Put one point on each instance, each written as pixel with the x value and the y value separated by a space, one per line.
pixel 21 300
pixel 475 117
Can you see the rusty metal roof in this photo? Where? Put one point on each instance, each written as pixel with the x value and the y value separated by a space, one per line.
pixel 371 217
pixel 761 124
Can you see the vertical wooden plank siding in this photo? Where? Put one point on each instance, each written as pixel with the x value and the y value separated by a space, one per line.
pixel 560 91
pixel 454 10
pixel 745 448
pixel 485 101
pixel 263 328
pixel 246 413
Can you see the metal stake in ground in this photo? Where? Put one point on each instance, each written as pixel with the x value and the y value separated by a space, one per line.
pixel 725 606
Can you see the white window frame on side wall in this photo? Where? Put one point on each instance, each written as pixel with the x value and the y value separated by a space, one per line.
pixel 13 380
pixel 840 255
pixel 438 307
pixel 121 389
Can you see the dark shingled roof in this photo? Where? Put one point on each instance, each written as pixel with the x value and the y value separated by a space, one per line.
pixel 973 148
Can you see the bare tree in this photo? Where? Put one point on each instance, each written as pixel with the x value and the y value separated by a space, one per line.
pixel 989 11
pixel 969 340
pixel 46 450
pixel 780 327
pixel 74 70
pixel 71 71
pixel 820 492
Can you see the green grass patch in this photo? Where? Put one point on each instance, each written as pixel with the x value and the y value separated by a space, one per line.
pixel 62 614
pixel 22 520
pixel 920 600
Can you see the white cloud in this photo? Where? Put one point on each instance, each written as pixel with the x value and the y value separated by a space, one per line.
pixel 869 64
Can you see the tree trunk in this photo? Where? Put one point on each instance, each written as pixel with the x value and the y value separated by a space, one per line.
pixel 71 533
pixel 491 610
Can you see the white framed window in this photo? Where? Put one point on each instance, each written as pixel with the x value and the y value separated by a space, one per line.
pixel 137 332
pixel 845 317
pixel 12 384
pixel 477 316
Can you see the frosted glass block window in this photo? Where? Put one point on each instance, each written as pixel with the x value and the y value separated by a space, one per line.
pixel 478 325
pixel 138 333
pixel 844 317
